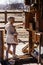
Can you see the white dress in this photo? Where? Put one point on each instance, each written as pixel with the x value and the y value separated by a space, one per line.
pixel 10 33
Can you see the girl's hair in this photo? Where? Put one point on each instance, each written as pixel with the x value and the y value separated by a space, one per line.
pixel 11 18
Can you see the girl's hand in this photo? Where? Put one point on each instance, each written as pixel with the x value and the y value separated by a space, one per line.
pixel 23 23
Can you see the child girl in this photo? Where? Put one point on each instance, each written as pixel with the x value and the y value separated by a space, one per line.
pixel 11 37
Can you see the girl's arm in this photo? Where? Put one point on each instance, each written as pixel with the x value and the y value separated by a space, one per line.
pixel 19 24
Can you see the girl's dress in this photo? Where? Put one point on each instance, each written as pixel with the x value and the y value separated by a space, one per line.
pixel 11 31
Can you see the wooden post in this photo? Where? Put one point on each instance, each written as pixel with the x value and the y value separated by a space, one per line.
pixel 27 2
pixel 31 44
pixel 1 45
pixel 28 20
pixel 5 16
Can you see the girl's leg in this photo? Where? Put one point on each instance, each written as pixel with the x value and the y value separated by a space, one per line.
pixel 7 50
pixel 14 50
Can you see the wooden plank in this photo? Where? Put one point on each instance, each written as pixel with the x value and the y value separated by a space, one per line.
pixel 10 12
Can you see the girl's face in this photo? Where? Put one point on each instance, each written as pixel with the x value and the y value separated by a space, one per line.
pixel 11 21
